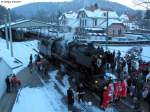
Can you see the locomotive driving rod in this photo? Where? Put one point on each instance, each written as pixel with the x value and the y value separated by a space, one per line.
pixel 65 61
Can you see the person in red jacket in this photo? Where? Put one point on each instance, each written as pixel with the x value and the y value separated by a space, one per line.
pixel 116 84
pixel 15 83
pixel 124 88
pixel 111 90
pixel 119 90
pixel 106 99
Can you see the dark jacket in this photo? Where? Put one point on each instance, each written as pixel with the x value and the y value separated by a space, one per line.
pixel 148 97
pixel 80 89
pixel 31 58
pixel 7 81
pixel 70 96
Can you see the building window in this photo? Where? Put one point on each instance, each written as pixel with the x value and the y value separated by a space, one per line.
pixel 104 14
pixel 94 22
pixel 82 22
pixel 83 15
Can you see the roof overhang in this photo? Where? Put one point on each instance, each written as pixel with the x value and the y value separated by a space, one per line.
pixel 27 24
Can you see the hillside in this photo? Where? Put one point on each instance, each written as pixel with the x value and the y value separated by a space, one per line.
pixel 30 10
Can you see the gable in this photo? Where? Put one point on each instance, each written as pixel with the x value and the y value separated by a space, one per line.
pixel 82 14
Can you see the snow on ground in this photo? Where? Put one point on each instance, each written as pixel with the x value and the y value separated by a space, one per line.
pixel 64 90
pixel 124 49
pixel 30 99
pixel 48 99
pixel 22 51
pixel 130 37
pixel 43 99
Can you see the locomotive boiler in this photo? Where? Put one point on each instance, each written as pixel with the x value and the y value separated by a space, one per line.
pixel 83 57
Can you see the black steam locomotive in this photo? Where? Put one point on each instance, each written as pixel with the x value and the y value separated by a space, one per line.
pixel 83 57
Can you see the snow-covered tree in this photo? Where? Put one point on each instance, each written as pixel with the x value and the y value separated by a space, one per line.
pixel 134 54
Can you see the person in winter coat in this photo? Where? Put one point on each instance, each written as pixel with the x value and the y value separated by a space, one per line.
pixel 136 104
pixel 70 97
pixel 81 93
pixel 132 90
pixel 106 98
pixel 145 93
pixel 111 90
pixel 7 80
pixel 30 63
pixel 38 58
pixel 15 83
pixel 148 98
pixel 101 95
pixel 31 59
pixel 119 90
pixel 124 88
pixel 116 84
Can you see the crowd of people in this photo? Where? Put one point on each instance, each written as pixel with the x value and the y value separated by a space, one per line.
pixel 13 83
pixel 132 79
pixel 80 93
pixel 41 65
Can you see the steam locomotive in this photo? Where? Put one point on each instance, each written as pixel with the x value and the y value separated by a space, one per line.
pixel 83 57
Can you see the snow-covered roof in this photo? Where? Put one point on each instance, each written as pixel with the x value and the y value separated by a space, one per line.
pixel 124 17
pixel 98 13
pixel 94 29
pixel 71 19
pixel 13 23
pixel 110 22
pixel 26 23
pixel 112 14
pixel 73 23
pixel 69 15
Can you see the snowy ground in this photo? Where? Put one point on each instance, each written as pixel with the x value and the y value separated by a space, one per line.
pixel 22 51
pixel 48 99
pixel 124 49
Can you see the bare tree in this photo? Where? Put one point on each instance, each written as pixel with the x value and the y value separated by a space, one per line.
pixel 146 5
pixel 142 3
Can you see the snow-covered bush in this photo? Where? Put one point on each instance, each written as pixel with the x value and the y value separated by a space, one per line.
pixel 134 54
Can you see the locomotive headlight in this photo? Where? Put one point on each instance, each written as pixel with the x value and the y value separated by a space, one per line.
pixel 96 82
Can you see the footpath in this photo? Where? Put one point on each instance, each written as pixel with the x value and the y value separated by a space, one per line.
pixel 27 79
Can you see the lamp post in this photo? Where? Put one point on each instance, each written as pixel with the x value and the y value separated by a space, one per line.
pixel 10 33
pixel 6 31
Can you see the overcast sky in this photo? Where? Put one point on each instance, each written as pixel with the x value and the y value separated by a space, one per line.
pixel 128 3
